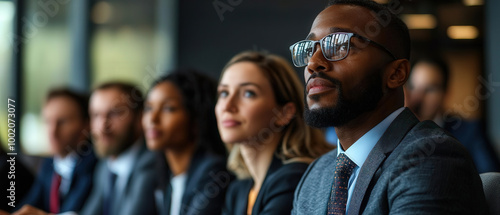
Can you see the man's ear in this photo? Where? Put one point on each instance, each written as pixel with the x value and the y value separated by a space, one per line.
pixel 397 73
pixel 288 113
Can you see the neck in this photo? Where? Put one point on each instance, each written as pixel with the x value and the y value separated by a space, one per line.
pixel 258 158
pixel 349 133
pixel 178 160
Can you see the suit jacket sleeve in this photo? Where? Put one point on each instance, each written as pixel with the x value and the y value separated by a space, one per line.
pixel 299 186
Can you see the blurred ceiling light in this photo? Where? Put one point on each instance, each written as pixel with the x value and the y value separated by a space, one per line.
pixel 101 13
pixel 473 2
pixel 462 32
pixel 420 21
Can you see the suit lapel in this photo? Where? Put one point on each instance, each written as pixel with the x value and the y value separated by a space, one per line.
pixel 123 195
pixel 192 183
pixel 389 140
pixel 276 163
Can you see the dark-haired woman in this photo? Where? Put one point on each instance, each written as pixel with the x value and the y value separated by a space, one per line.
pixel 179 123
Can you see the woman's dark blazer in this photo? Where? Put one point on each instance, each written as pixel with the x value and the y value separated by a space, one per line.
pixel 206 185
pixel 276 194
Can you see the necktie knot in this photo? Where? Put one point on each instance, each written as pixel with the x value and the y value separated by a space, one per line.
pixel 344 168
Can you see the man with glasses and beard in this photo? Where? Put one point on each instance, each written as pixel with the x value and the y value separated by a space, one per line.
pixel 125 178
pixel 356 61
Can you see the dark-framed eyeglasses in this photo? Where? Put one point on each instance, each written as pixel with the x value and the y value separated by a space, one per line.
pixel 334 46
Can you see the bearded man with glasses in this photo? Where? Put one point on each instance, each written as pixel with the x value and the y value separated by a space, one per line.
pixel 356 61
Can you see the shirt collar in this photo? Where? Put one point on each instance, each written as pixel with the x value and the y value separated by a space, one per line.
pixel 123 164
pixel 360 150
pixel 64 166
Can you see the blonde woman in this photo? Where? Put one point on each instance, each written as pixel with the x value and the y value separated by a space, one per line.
pixel 260 118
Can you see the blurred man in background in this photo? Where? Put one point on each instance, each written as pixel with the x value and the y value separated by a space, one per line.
pixel 425 95
pixel 64 181
pixel 125 178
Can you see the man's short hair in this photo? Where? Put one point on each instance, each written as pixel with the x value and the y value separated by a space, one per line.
pixel 397 29
pixel 81 99
pixel 131 92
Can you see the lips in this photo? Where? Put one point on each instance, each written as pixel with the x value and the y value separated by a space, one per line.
pixel 153 133
pixel 230 123
pixel 319 85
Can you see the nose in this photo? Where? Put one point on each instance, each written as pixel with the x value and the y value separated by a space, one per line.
pixel 153 116
pixel 101 124
pixel 229 104
pixel 317 62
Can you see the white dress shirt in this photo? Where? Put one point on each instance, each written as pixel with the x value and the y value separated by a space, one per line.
pixel 64 167
pixel 178 184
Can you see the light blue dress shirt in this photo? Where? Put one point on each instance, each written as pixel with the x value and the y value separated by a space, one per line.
pixel 360 150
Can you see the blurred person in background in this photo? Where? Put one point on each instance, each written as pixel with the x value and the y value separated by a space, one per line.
pixel 64 181
pixel 125 177
pixel 425 94
pixel 179 123
pixel 260 118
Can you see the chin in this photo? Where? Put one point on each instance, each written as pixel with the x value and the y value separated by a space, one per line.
pixel 321 103
pixel 232 139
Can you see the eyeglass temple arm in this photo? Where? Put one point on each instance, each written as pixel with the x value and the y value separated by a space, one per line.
pixel 377 45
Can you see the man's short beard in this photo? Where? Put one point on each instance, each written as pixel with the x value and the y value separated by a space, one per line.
pixel 346 109
pixel 121 143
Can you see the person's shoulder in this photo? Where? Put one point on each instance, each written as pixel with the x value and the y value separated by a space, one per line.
pixel 211 162
pixel 292 169
pixel 87 161
pixel 325 161
pixel 431 139
pixel 145 159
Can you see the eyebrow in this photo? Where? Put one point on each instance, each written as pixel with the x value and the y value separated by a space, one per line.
pixel 332 30
pixel 242 84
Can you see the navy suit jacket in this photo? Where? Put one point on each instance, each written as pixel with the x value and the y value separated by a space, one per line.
pixel 79 190
pixel 276 194
pixel 415 168
pixel 205 189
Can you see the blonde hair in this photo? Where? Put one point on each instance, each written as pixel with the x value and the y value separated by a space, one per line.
pixel 298 140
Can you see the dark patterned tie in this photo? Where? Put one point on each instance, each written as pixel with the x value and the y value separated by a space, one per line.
pixel 338 197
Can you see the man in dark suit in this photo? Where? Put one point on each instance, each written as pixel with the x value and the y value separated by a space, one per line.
pixel 387 161
pixel 125 178
pixel 64 182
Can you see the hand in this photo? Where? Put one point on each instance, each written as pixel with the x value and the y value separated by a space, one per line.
pixel 30 210
pixel 2 212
